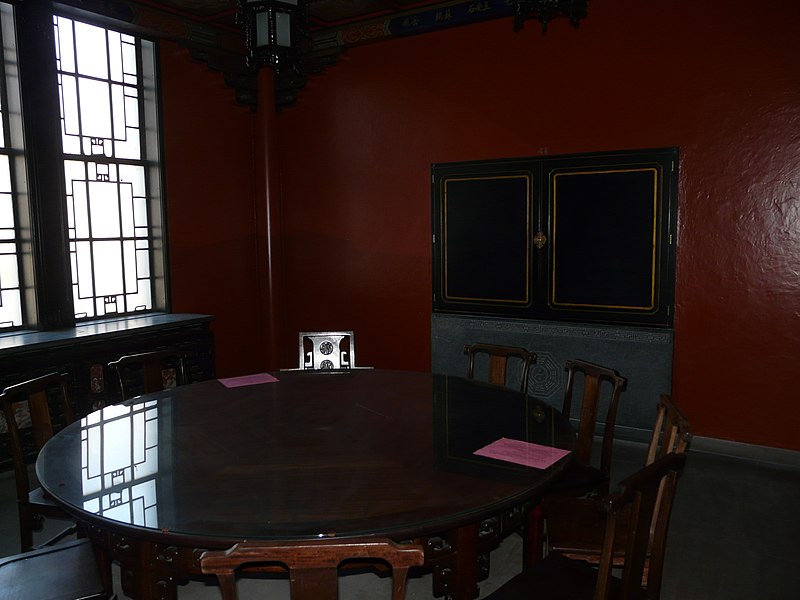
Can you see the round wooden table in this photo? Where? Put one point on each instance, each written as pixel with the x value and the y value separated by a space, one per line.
pixel 160 478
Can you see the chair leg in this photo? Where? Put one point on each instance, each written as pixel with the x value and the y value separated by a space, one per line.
pixel 104 565
pixel 533 538
pixel 25 528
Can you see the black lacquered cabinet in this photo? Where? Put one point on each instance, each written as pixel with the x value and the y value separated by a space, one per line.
pixel 584 237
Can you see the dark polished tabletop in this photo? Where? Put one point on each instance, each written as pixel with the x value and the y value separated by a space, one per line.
pixel 365 452
pixel 312 454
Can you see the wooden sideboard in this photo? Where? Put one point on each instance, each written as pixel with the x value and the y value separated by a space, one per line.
pixel 85 351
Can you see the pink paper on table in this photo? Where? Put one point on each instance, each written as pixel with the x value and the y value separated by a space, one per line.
pixel 248 380
pixel 523 453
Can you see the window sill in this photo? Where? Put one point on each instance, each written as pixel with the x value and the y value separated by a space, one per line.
pixel 27 340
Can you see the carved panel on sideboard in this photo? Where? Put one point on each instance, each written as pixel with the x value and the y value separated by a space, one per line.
pixel 642 355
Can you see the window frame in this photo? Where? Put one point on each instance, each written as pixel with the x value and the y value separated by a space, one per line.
pixel 41 207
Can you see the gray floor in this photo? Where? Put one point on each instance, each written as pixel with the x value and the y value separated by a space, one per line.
pixel 735 534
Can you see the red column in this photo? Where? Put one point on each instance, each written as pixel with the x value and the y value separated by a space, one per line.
pixel 268 223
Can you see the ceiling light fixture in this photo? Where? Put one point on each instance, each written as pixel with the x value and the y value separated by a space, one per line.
pixel 273 29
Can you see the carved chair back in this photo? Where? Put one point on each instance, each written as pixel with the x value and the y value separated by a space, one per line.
pixel 313 566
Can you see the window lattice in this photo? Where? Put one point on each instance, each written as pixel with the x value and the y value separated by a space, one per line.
pixel 10 292
pixel 105 168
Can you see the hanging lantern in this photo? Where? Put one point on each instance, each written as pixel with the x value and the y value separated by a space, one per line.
pixel 273 29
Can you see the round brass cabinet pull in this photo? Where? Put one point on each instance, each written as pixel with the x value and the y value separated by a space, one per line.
pixel 539 240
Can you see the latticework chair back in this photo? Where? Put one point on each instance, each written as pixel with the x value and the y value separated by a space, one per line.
pixel 327 350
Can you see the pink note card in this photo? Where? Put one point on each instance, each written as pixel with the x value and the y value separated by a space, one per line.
pixel 231 382
pixel 523 453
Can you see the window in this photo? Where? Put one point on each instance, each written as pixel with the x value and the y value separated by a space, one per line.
pixel 10 292
pixel 96 236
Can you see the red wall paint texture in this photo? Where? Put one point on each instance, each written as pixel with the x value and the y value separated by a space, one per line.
pixel 711 78
pixel 208 146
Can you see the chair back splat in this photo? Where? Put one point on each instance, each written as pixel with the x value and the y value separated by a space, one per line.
pixel 148 372
pixel 327 351
pixel 498 362
pixel 39 405
pixel 582 479
pixel 671 431
pixel 593 378
pixel 313 566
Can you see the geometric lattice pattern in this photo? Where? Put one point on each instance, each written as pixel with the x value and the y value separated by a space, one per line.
pixel 110 240
pixel 10 288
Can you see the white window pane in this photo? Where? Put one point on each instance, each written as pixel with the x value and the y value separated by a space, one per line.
pixel 126 209
pixel 5 175
pixel 131 108
pixel 118 103
pixel 130 265
pixel 141 300
pixel 6 211
pixel 140 213
pixel 143 262
pixel 129 55
pixel 69 105
pixel 90 42
pixel 133 175
pixel 104 205
pixel 108 268
pixel 9 275
pixel 64 45
pixel 114 56
pixel 130 147
pixel 80 206
pixel 10 308
pixel 95 108
pixel 83 269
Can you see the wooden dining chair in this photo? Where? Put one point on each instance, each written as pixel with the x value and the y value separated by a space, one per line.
pixel 584 478
pixel 149 372
pixel 645 498
pixel 33 411
pixel 66 571
pixel 498 362
pixel 313 565
pixel 576 526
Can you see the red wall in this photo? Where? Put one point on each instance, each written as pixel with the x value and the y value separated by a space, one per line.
pixel 213 249
pixel 715 78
